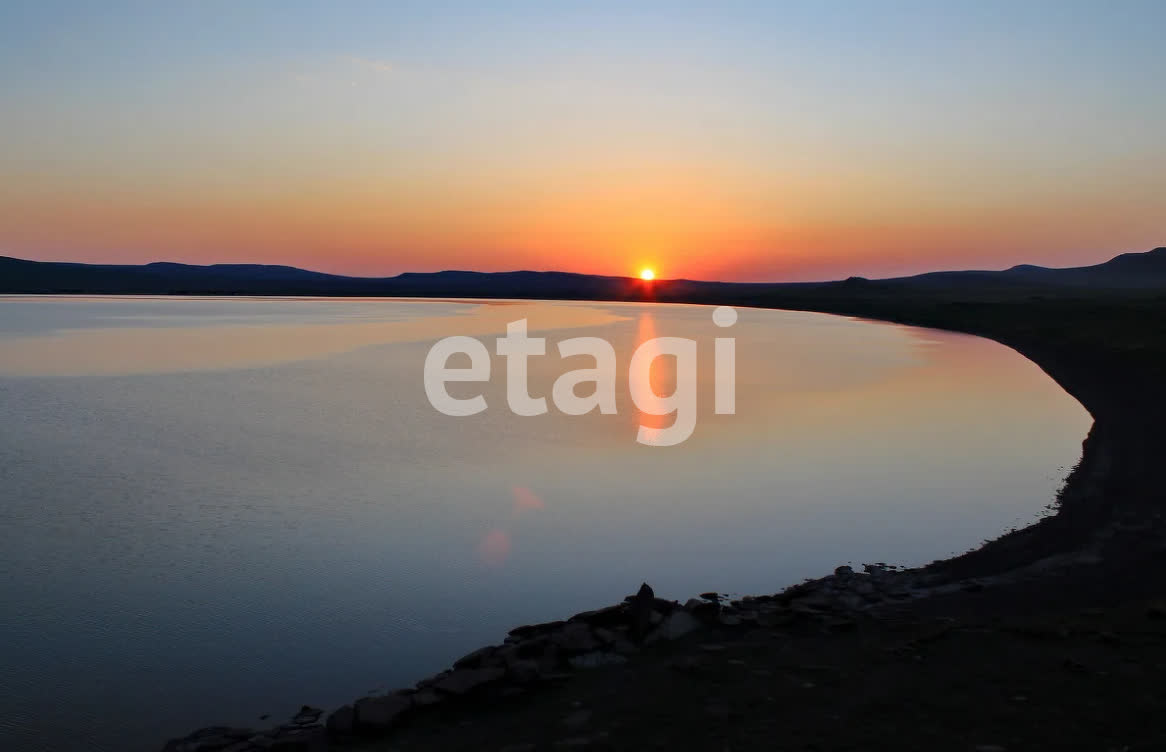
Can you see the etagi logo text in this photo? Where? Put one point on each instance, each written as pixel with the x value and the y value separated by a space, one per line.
pixel 516 347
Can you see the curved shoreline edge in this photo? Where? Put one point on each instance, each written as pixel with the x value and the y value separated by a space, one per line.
pixel 1100 547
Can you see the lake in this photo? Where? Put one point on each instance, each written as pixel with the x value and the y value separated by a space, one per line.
pixel 217 508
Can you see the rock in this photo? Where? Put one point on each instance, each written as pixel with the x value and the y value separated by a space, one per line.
pixel 465 680
pixel 706 611
pixel 379 713
pixel 307 715
pixel 476 658
pixel 641 611
pixel 532 648
pixel 663 606
pixel 596 659
pixel 840 623
pixel 534 630
pixel 309 739
pixel 577 719
pixel 539 652
pixel 775 618
pixel 711 596
pixel 240 747
pixel 426 697
pixel 624 647
pixel 718 710
pixel 558 677
pixel 843 571
pixel 525 670
pixel 430 681
pixel 575 637
pixel 604 617
pixel 209 739
pixel 689 664
pixel 678 624
pixel 549 661
pixel 606 636
pixel 804 606
pixel 341 721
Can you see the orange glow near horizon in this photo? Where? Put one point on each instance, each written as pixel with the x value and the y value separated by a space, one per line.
pixel 647 274
pixel 740 144
pixel 705 234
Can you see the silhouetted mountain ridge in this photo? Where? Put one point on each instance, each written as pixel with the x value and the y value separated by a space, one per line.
pixel 1127 271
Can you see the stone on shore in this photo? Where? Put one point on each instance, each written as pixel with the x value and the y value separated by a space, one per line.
pixel 641 612
pixel 541 653
pixel 209 739
pixel 677 624
pixel 474 659
pixel 303 739
pixel 575 637
pixel 341 721
pixel 379 713
pixel 596 659
pixel 307 715
pixel 463 681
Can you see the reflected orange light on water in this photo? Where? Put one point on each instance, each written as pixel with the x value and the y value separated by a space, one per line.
pixel 526 500
pixel 497 544
pixel 660 380
pixel 495 547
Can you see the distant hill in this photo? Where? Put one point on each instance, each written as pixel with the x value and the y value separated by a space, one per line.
pixel 1129 271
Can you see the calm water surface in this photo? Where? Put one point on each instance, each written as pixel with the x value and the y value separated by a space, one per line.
pixel 213 509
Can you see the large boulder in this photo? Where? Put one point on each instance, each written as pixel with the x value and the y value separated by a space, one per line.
pixel 595 659
pixel 379 713
pixel 612 616
pixel 575 637
pixel 307 716
pixel 209 739
pixel 677 624
pixel 300 739
pixel 641 607
pixel 476 658
pixel 463 681
pixel 528 631
pixel 341 721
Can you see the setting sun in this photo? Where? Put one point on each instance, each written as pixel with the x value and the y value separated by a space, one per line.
pixel 647 275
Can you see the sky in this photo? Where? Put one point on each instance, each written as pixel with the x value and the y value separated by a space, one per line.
pixel 729 140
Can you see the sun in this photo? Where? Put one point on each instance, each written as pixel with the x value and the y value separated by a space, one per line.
pixel 647 274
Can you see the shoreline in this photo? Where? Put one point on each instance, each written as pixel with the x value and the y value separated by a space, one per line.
pixel 1083 554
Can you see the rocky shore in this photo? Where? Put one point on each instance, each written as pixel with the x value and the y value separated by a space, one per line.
pixel 1050 637
pixel 540 654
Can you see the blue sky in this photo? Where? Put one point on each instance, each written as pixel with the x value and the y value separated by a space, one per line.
pixel 768 135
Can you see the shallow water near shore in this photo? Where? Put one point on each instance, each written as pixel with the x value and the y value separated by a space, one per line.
pixel 214 509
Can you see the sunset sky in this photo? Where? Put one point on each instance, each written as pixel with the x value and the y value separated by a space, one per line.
pixel 741 141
